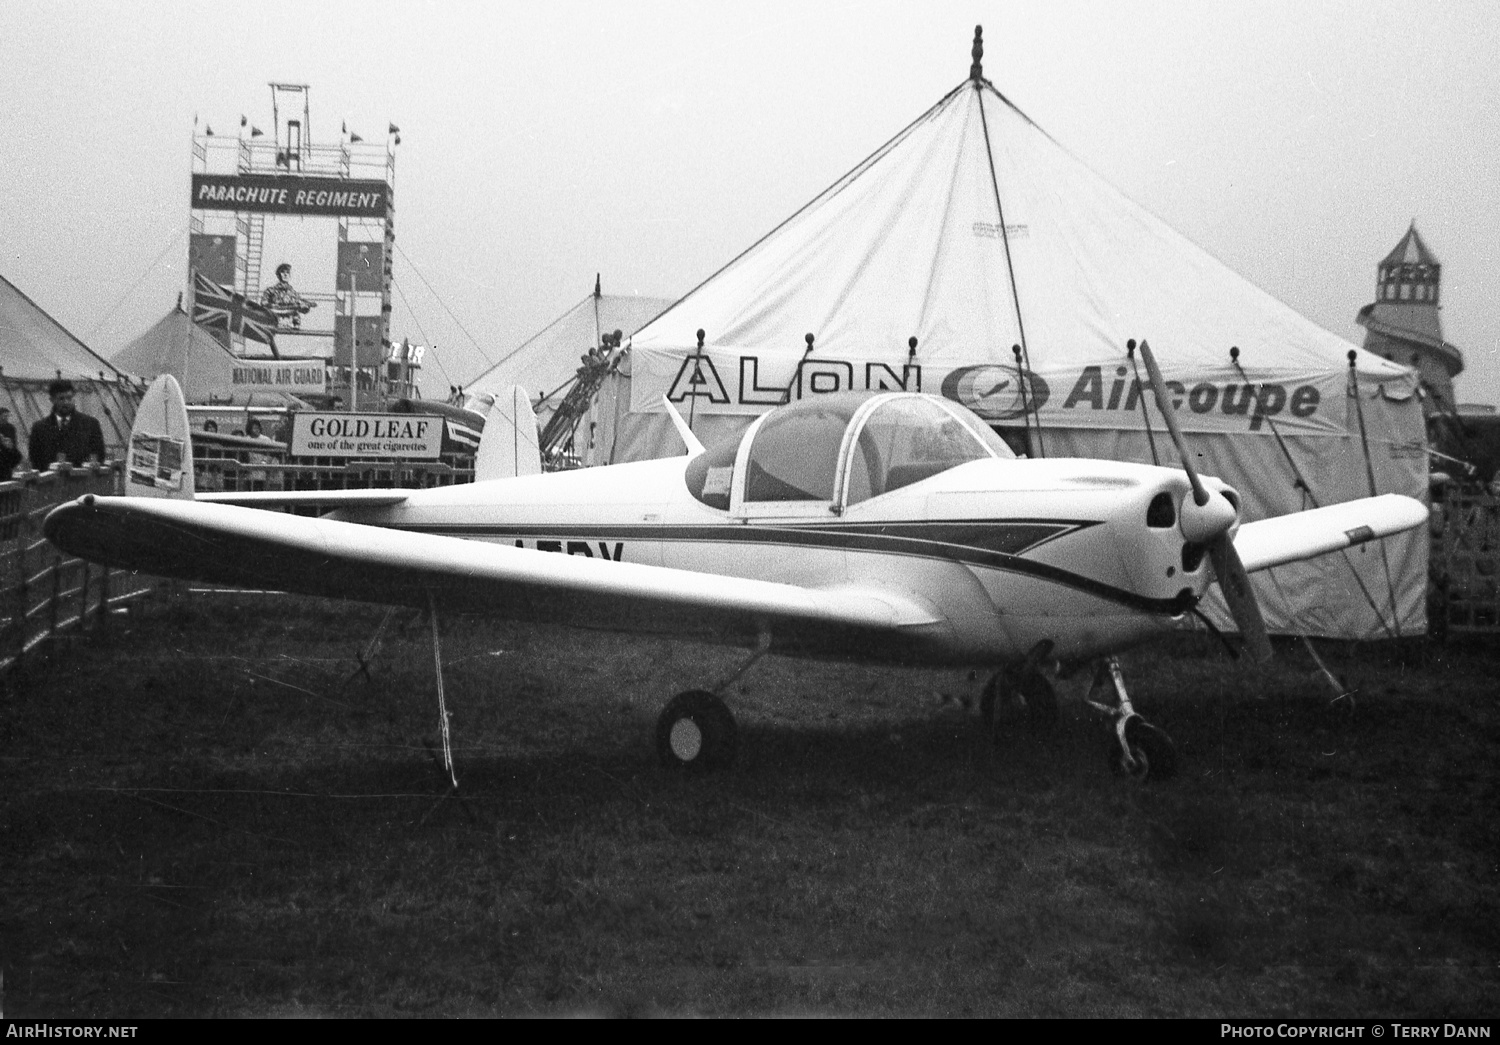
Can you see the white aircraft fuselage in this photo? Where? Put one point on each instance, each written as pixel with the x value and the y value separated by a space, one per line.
pixel 1006 553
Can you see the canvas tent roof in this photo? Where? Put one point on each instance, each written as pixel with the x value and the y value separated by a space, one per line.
pixel 547 361
pixel 973 231
pixel 36 347
pixel 169 347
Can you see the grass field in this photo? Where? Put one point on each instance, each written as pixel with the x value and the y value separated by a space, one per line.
pixel 199 817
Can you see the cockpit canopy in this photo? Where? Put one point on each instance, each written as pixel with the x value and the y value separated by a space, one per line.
pixel 874 442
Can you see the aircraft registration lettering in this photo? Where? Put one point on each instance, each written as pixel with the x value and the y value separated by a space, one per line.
pixel 606 551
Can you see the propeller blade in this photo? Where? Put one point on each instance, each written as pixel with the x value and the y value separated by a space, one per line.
pixel 1234 582
pixel 1164 404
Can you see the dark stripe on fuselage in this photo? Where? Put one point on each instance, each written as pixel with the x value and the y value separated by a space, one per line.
pixel 995 545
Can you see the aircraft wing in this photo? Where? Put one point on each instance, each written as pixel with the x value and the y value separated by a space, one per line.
pixel 224 544
pixel 308 498
pixel 1304 535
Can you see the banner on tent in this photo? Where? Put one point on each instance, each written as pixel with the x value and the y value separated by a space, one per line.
pixel 295 376
pixel 1101 396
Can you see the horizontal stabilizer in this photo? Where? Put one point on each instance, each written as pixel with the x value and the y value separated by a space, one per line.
pixel 1305 535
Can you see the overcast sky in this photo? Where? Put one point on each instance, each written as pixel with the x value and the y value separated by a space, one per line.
pixel 651 142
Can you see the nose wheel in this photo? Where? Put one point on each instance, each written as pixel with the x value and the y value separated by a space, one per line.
pixel 1142 752
pixel 696 733
pixel 1137 749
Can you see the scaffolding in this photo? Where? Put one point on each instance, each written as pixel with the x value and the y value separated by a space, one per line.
pixel 228 246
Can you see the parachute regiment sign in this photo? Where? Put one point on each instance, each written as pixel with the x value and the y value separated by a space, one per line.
pixel 291 194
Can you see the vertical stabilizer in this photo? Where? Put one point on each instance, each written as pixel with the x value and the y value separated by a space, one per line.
pixel 159 462
pixel 509 446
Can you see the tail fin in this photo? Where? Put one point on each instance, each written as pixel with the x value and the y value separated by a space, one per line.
pixel 509 446
pixel 160 459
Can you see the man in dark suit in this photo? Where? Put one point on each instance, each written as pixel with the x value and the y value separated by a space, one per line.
pixel 65 432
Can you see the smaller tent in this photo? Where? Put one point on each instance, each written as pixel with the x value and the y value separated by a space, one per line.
pixel 546 363
pixel 210 373
pixel 36 349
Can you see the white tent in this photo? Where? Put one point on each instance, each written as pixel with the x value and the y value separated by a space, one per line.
pixel 546 362
pixel 209 373
pixel 976 233
pixel 36 349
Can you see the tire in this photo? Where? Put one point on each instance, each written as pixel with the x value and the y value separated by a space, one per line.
pixel 696 733
pixel 1006 706
pixel 1153 751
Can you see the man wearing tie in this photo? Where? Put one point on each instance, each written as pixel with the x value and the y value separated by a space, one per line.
pixel 64 433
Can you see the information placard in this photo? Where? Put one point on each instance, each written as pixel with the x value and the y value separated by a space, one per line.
pixel 367 435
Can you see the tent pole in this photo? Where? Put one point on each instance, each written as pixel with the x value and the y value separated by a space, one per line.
pixel 1309 497
pixel 786 394
pixel 1021 383
pixel 1025 354
pixel 694 380
pixel 1364 437
pixel 598 293
pixel 1145 417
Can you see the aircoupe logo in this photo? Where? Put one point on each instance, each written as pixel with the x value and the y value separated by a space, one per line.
pixel 1257 401
pixel 997 393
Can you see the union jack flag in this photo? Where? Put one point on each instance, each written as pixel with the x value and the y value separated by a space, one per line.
pixel 218 307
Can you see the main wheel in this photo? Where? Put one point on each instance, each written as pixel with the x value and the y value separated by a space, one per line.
pixel 1009 703
pixel 696 733
pixel 1151 749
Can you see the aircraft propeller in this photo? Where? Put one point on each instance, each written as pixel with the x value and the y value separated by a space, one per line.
pixel 1207 518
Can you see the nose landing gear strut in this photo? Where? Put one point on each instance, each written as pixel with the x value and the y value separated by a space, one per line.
pixel 1137 749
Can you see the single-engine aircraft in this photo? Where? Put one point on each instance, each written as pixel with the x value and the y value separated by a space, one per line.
pixel 890 527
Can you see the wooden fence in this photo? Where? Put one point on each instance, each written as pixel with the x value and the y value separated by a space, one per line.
pixel 42 591
pixel 1465 589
